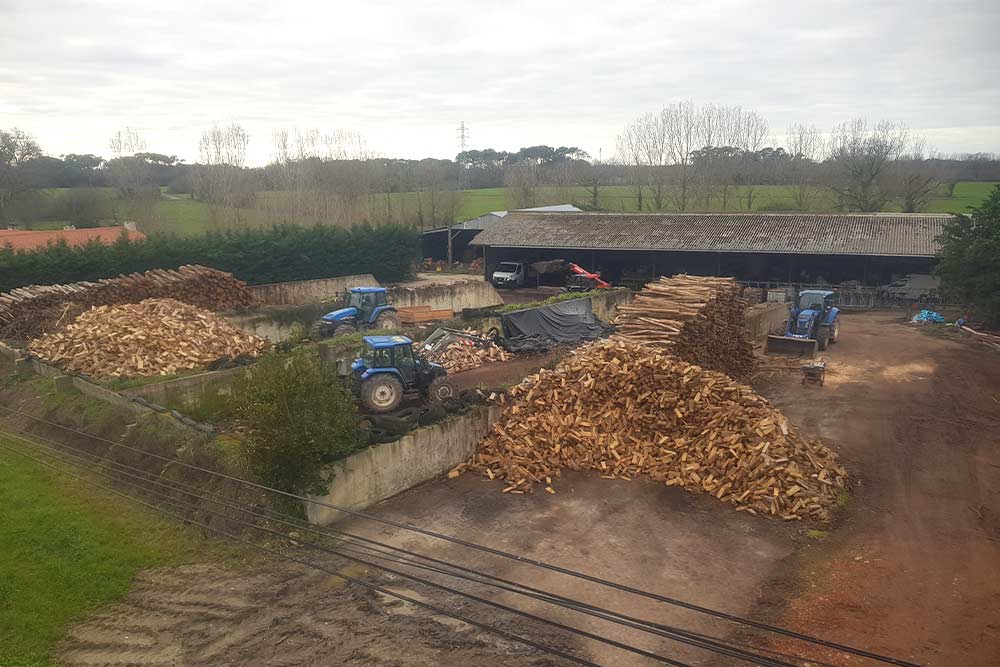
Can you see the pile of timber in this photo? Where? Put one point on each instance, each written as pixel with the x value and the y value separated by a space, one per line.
pixel 699 319
pixel 152 337
pixel 624 409
pixel 464 355
pixel 988 339
pixel 28 312
pixel 417 314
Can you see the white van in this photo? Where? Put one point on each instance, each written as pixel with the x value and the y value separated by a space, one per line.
pixel 914 287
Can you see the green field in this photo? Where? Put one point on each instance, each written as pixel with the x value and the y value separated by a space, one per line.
pixel 183 215
pixel 66 548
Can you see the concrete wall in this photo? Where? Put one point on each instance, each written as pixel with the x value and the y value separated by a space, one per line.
pixel 606 305
pixel 307 291
pixel 183 391
pixel 374 474
pixel 765 318
pixel 278 324
pixel 456 295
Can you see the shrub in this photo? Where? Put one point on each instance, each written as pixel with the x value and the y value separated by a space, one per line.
pixel 276 254
pixel 969 260
pixel 296 419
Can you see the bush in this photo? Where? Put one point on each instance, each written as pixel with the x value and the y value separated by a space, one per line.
pixel 297 418
pixel 258 256
pixel 969 261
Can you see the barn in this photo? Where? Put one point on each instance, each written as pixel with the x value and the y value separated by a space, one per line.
pixel 871 248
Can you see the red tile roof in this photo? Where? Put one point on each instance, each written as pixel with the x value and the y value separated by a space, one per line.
pixel 30 239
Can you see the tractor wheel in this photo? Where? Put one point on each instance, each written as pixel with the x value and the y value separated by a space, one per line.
pixel 344 329
pixel 835 332
pixel 320 330
pixel 387 321
pixel 822 338
pixel 441 390
pixel 381 393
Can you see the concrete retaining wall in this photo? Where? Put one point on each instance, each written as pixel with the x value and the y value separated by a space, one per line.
pixel 456 295
pixel 184 391
pixel 374 474
pixel 307 291
pixel 278 324
pixel 765 318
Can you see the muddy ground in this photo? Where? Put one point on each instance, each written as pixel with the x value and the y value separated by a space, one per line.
pixel 908 568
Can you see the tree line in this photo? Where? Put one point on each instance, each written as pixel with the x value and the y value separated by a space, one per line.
pixel 682 157
pixel 256 255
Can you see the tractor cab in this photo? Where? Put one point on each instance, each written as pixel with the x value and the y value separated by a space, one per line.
pixel 387 369
pixel 366 300
pixel 813 323
pixel 364 308
pixel 815 300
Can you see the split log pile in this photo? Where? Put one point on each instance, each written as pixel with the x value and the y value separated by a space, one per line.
pixel 153 337
pixel 418 314
pixel 699 319
pixel 28 312
pixel 625 409
pixel 464 355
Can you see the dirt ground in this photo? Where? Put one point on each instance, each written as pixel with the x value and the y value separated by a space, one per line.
pixel 913 568
pixel 909 568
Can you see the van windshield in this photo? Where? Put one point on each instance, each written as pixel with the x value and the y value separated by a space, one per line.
pixel 507 267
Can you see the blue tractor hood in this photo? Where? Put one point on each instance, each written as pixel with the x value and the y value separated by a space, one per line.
pixel 341 314
pixel 804 322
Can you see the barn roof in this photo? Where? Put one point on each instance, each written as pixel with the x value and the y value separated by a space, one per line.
pixel 883 234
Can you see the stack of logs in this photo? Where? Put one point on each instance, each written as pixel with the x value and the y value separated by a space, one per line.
pixel 699 319
pixel 153 337
pixel 28 312
pixel 624 409
pixel 464 355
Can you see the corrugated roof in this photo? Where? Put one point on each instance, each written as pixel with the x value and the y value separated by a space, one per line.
pixel 909 235
pixel 26 239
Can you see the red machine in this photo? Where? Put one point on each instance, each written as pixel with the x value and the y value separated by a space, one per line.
pixel 583 280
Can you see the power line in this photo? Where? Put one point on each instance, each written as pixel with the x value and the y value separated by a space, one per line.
pixel 520 559
pixel 693 639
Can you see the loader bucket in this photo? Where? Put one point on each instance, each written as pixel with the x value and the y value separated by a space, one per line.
pixel 792 347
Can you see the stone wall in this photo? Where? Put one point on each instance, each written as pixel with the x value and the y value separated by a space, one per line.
pixel 379 472
pixel 456 296
pixel 301 292
pixel 184 391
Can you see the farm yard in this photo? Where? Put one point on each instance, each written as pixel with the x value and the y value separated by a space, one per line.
pixel 895 405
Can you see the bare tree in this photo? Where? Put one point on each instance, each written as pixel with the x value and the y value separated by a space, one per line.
pixel 130 173
pixel 220 179
pixel 522 184
pixel 805 145
pixel 643 145
pixel 915 180
pixel 861 156
pixel 16 148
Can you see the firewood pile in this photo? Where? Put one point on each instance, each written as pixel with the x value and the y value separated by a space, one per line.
pixel 28 312
pixel 624 409
pixel 699 319
pixel 153 337
pixel 464 355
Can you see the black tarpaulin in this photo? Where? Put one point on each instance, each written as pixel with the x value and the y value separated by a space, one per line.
pixel 566 322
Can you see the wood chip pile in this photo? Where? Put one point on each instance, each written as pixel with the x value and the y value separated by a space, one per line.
pixel 463 355
pixel 699 319
pixel 153 337
pixel 28 312
pixel 625 409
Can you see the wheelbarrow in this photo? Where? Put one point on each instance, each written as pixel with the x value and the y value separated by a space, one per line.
pixel 814 372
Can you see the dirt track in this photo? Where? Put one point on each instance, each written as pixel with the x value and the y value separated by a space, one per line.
pixel 913 567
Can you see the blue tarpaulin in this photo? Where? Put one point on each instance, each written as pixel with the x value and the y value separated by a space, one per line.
pixel 928 316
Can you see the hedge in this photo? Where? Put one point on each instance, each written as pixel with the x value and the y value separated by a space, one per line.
pixel 258 256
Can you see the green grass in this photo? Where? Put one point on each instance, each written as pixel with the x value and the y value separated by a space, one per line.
pixel 181 214
pixel 66 548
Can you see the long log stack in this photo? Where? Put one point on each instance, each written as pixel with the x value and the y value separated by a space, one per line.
pixel 624 409
pixel 153 337
pixel 697 318
pixel 28 312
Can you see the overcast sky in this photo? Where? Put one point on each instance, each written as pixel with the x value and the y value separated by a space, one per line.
pixel 404 74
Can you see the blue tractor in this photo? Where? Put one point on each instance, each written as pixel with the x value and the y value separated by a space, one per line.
pixel 388 370
pixel 814 323
pixel 365 308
